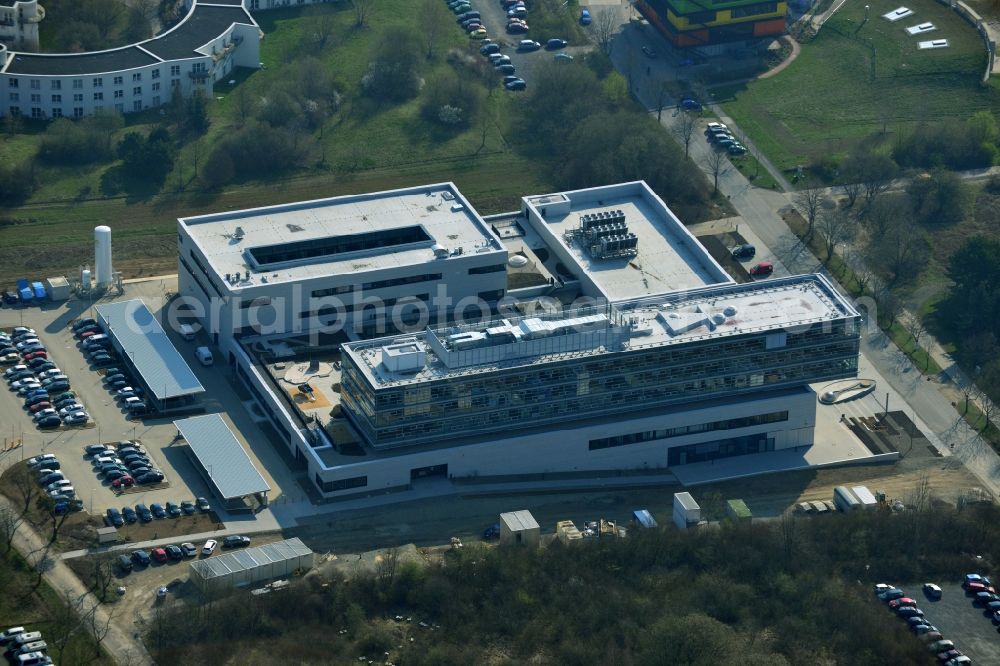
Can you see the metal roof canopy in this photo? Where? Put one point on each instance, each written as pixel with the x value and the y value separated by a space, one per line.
pixel 222 456
pixel 154 356
pixel 251 558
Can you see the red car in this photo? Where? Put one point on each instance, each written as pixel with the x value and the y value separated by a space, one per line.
pixel 88 334
pixel 37 354
pixel 39 406
pixel 160 554
pixel 973 588
pixel 123 482
pixel 900 603
pixel 763 269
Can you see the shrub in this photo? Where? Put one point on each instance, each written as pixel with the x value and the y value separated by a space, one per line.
pixel 69 143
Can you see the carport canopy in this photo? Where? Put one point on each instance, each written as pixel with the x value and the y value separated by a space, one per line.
pixel 141 338
pixel 223 459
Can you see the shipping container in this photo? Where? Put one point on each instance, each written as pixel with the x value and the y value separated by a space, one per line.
pixel 845 499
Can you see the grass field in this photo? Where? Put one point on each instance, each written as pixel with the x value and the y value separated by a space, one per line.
pixel 387 147
pixel 853 80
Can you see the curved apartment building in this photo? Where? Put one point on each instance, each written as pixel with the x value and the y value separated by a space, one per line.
pixel 212 38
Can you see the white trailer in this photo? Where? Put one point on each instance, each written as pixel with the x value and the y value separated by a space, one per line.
pixel 845 499
pixel 865 496
pixel 686 510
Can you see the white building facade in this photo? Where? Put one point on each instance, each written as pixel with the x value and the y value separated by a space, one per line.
pixel 203 48
pixel 675 363
pixel 19 21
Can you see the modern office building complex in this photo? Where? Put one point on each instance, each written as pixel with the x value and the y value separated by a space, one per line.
pixel 710 26
pixel 213 37
pixel 19 21
pixel 587 332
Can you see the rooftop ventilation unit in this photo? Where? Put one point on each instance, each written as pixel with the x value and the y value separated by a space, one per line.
pixel 605 235
pixel 239 234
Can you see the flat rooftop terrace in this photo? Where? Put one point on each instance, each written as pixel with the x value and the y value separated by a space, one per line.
pixel 669 257
pixel 349 234
pixel 685 317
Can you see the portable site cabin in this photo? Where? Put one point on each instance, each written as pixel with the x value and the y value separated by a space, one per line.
pixel 845 499
pixel 738 511
pixel 686 510
pixel 865 496
pixel 519 527
pixel 643 518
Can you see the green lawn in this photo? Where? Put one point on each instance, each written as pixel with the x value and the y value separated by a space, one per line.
pixel 852 80
pixel 386 147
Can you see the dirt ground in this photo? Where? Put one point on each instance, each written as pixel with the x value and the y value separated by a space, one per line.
pixel 432 522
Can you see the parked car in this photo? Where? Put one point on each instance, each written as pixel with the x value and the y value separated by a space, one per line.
pixel 114 517
pixel 528 45
pixel 151 476
pixel 209 547
pixel 115 474
pixel 763 269
pixel 145 515
pixel 516 84
pixel 173 510
pixel 39 404
pixel 123 481
pixel 487 49
pixel 61 385
pixel 34 462
pixel 187 507
pixel 189 549
pixel 50 478
pixel 160 555
pixel 940 646
pixel 129 515
pixel 506 69
pixel 141 558
pixel 890 594
pixel 649 53
pixel 44 413
pixel 158 511
pixel 585 17
pixel 202 504
pixel 76 418
pixel 81 323
pixel 563 56
pixel 909 611
pixel 51 421
pixel 174 552
pixel 896 604
pixel 235 541
pixel 554 44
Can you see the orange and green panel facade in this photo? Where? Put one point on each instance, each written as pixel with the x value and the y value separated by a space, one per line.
pixel 694 23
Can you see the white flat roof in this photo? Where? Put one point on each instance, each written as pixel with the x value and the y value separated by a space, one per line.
pixel 443 216
pixel 154 356
pixel 669 257
pixel 671 319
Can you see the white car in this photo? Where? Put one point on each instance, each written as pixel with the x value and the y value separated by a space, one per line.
pixel 27 343
pixel 48 411
pixel 17 368
pixel 68 492
pixel 49 373
pixel 10 358
pixel 59 485
pixel 21 383
pixel 106 460
pixel 209 547
pixel 54 378
pixel 69 409
pixel 38 460
pixel 30 386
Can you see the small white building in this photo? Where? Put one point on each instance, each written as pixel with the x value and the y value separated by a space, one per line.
pixel 519 527
pixel 19 21
pixel 59 289
pixel 686 511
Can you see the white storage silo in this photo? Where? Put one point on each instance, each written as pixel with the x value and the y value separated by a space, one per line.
pixel 102 256
pixel 85 278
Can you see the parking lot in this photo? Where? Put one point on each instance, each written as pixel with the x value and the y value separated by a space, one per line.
pixel 494 18
pixel 182 481
pixel 961 622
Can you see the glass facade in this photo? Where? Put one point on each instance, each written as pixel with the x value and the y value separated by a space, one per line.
pixel 604 383
pixel 680 431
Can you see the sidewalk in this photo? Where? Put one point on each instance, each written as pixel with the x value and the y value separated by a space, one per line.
pixel 118 643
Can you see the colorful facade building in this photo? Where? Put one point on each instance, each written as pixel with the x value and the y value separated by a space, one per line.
pixel 703 23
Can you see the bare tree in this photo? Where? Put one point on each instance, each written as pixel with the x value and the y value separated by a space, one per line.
pixel 899 252
pixel 243 106
pixel 66 619
pixel 809 201
pixel 385 571
pixel 920 497
pixel 661 100
pixel 604 26
pixel 852 190
pixel 25 487
pixel 986 405
pixel 362 11
pixel 99 622
pixel 915 327
pixel 836 226
pixel 684 128
pixel 320 23
pixel 9 522
pixel 102 574
pixel 887 303
pixel 716 165
pixel 432 21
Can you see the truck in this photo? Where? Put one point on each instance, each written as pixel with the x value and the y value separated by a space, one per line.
pixel 204 355
pixel 845 499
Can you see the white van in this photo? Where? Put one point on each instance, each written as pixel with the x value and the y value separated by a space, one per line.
pixel 204 355
pixel 187 331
